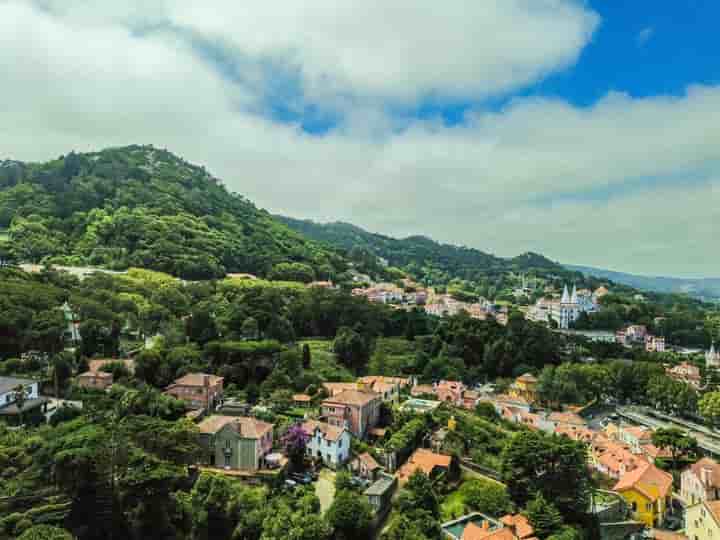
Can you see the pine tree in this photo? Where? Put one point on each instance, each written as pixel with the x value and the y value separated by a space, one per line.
pixel 543 516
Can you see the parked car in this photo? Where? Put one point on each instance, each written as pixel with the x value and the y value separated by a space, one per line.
pixel 301 478
pixel 290 483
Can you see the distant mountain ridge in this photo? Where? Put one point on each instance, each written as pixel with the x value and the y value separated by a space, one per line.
pixel 422 256
pixel 704 288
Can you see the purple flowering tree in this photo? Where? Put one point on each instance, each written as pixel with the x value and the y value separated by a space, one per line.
pixel 295 441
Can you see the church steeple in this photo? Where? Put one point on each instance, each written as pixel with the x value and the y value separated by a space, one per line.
pixel 574 297
pixel 565 296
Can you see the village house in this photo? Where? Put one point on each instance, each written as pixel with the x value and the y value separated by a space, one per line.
pixel 358 411
pixel 379 493
pixel 634 436
pixel 655 344
pixel 198 390
pixel 365 466
pixel 95 380
pixel 424 460
pixel 33 404
pixel 334 388
pixel 647 491
pixel 614 459
pixel 525 387
pixel 99 363
pixel 701 482
pixel 232 442
pixel 450 392
pixel 302 400
pixel 388 387
pixel 685 372
pixel 420 390
pixel 478 526
pixel 329 443
pixel 702 521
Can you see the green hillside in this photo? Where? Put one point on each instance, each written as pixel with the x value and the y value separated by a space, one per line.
pixel 427 259
pixel 145 207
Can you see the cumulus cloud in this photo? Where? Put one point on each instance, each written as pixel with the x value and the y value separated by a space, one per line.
pixel 624 183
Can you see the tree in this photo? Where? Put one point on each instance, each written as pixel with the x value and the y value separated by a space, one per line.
pixel 534 462
pixel 306 356
pixel 295 441
pixel 543 516
pixel 486 410
pixel 678 442
pixel 351 347
pixel 61 370
pixel 419 494
pixel 486 497
pixel 710 407
pixel 405 527
pixel 45 532
pixel 349 516
pixel 250 329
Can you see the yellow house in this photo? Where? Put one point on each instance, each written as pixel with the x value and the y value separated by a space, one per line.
pixel 647 491
pixel 525 387
pixel 702 521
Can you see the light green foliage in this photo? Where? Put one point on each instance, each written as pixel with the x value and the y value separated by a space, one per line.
pixel 490 498
pixel 45 532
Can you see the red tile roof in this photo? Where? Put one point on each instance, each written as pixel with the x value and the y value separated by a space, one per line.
pixel 352 397
pixel 197 379
pixel 424 460
pixel 647 474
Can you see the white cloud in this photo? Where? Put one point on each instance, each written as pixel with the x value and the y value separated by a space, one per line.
pixel 506 182
pixel 400 50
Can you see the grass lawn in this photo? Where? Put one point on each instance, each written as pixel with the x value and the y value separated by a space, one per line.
pixel 453 506
pixel 324 362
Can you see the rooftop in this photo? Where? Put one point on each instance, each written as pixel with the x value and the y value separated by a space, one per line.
pixel 352 397
pixel 197 379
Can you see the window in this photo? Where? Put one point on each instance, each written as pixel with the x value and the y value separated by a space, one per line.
pixel 227 460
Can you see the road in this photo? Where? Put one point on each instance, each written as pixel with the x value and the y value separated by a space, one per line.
pixel 325 489
pixel 707 440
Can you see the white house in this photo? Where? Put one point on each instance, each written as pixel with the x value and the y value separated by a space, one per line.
pixel 8 397
pixel 327 442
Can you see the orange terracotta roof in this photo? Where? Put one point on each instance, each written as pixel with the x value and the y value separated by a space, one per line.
pixel 659 534
pixel 197 379
pixel 369 461
pixel 419 389
pixel 473 531
pixel 614 457
pixel 567 418
pixel 654 452
pixel 329 432
pixel 334 388
pixel 303 398
pixel 424 460
pixel 249 428
pixel 522 526
pixel 352 397
pixel 647 474
pixel 213 424
pixel 714 507
pixel 528 378
pixel 96 375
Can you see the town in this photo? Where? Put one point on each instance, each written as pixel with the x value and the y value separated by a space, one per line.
pixel 392 440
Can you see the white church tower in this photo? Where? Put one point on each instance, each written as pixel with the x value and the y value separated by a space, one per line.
pixel 712 358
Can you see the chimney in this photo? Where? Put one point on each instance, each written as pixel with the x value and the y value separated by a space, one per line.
pixel 206 381
pixel 706 476
pixel 485 525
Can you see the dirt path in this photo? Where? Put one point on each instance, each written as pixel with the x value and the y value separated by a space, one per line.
pixel 325 489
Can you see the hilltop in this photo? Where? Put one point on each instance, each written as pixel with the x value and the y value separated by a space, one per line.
pixel 146 207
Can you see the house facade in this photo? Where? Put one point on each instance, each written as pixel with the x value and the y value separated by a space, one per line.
pixel 700 482
pixel 329 443
pixel 647 491
pixel 358 411
pixel 198 390
pixel 32 404
pixel 239 443
pixel 702 521
pixel 95 380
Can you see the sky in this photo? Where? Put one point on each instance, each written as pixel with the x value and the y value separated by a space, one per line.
pixel 588 131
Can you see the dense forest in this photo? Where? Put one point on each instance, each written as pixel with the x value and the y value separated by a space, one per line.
pixel 144 207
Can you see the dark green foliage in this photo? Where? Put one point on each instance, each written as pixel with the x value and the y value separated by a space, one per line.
pixel 489 498
pixel 543 516
pixel 349 516
pixel 535 463
pixel 142 206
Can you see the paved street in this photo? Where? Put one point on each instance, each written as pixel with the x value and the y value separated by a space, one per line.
pixel 325 489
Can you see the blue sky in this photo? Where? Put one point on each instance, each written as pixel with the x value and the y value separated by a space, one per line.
pixel 586 131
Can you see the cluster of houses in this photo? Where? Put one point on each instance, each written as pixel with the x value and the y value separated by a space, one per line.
pixel 568 308
pixel 390 293
pixel 637 334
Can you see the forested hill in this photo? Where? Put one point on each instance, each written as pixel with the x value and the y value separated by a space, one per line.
pixel 145 207
pixel 422 256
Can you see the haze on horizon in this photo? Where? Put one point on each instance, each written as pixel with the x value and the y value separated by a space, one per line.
pixel 580 130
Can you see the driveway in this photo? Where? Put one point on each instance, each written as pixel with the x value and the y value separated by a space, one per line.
pixel 325 489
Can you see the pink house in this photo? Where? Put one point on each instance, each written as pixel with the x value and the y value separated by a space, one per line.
pixel 198 390
pixel 358 411
pixel 450 391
